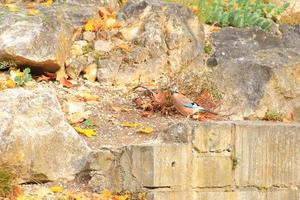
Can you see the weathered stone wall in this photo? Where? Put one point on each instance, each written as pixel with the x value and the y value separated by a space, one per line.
pixel 219 161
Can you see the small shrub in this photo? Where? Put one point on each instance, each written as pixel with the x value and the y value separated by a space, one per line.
pixel 240 13
pixel 24 78
pixel 274 116
pixel 208 47
pixel 5 183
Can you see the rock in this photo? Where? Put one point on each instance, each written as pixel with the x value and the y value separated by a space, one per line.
pixel 36 138
pixel 95 3
pixel 42 41
pixel 258 71
pixel 165 38
pixel 91 72
pixel 177 133
pixel 76 66
pixel 77 48
pixel 33 40
pixel 103 46
pixel 89 36
pixel 107 68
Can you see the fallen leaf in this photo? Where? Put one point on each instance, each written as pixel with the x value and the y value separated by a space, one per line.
pixel 117 108
pixel 110 22
pixel 32 12
pixel 214 29
pixel 130 124
pixel 44 78
pixel 146 114
pixel 47 3
pixel 31 5
pixel 10 83
pixel 124 47
pixel 106 193
pixel 146 130
pixel 88 97
pixel 86 132
pixel 12 7
pixel 292 115
pixel 89 25
pixel 103 12
pixel 56 189
pixel 64 82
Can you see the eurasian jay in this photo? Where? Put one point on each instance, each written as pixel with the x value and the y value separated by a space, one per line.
pixel 184 105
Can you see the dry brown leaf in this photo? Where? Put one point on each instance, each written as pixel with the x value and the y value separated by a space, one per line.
pixel 64 82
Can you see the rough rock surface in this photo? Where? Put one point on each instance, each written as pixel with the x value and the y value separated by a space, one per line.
pixel 258 71
pixel 42 40
pixel 35 138
pixel 165 39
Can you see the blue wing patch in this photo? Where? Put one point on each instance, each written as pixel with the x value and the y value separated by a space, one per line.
pixel 191 105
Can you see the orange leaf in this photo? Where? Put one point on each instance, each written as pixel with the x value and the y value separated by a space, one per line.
pixel 64 82
pixel 10 83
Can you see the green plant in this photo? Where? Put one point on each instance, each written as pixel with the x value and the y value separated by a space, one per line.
pixel 235 162
pixel 273 116
pixel 240 13
pixel 5 64
pixel 24 78
pixel 5 183
pixel 208 47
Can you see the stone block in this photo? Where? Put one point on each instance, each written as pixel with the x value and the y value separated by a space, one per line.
pixel 238 195
pixel 268 154
pixel 213 137
pixel 161 165
pixel 169 194
pixel 283 194
pixel 211 170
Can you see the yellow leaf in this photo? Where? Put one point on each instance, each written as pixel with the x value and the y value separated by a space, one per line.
pixel 12 7
pixel 86 132
pixel 88 97
pixel 130 124
pixel 32 12
pixel 47 3
pixel 89 25
pixel 106 193
pixel 146 130
pixel 56 189
pixel 110 22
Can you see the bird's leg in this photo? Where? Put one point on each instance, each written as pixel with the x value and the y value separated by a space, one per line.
pixel 187 118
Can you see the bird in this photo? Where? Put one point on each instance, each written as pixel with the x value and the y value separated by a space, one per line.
pixel 184 105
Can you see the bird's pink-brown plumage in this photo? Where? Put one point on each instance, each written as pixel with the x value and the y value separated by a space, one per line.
pixel 179 100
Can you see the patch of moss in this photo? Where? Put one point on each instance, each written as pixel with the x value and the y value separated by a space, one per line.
pixel 235 162
pixel 208 47
pixel 274 116
pixel 88 48
pixel 212 88
pixel 5 183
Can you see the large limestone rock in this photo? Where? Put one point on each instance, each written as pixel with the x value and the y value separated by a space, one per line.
pixel 44 40
pixel 35 138
pixel 165 39
pixel 258 71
